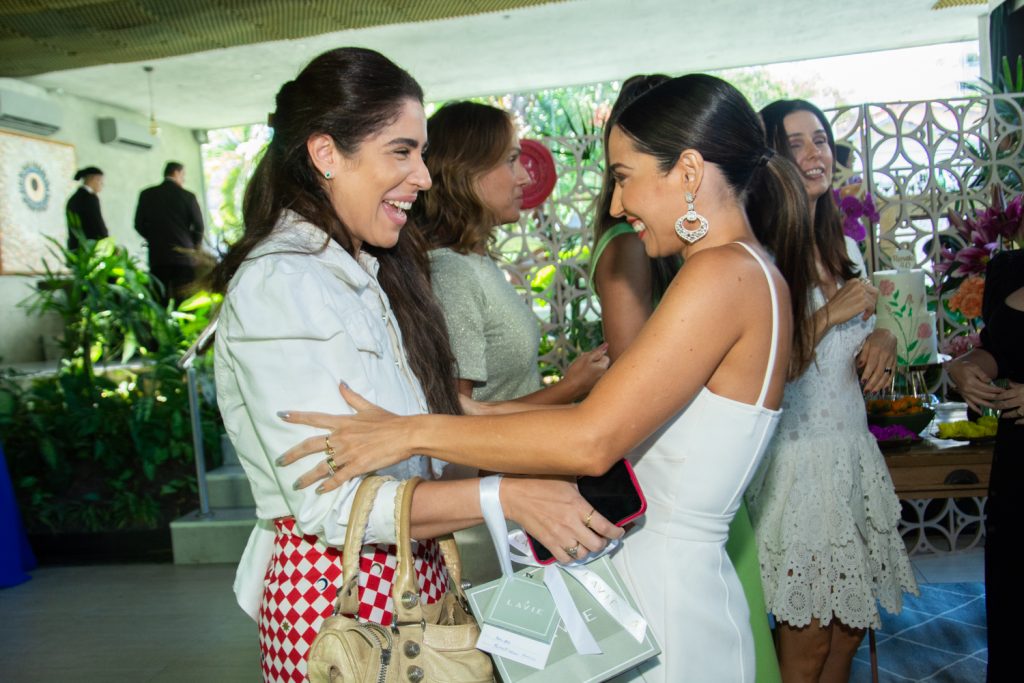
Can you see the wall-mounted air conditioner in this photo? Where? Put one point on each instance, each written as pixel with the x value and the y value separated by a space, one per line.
pixel 125 134
pixel 29 114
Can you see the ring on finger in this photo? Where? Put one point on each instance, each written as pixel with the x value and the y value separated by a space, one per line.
pixel 586 520
pixel 574 551
pixel 887 371
pixel 331 465
pixel 328 449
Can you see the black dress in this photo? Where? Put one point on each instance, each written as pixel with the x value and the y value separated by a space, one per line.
pixel 1003 337
pixel 83 212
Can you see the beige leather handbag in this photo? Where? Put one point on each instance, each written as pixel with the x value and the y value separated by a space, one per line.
pixel 425 642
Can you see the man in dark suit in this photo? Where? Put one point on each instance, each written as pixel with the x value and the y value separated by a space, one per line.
pixel 168 216
pixel 83 209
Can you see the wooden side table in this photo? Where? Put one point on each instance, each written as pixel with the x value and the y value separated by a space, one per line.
pixel 944 493
pixel 925 471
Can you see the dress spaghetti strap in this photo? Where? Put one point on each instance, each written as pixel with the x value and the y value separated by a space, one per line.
pixel 775 323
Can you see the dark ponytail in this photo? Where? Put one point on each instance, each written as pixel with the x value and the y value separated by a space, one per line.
pixel 350 94
pixel 777 209
pixel 707 114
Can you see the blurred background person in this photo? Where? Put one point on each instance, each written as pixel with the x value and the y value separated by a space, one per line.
pixel 83 209
pixel 169 218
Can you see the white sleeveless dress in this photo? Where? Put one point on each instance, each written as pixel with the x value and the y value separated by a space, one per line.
pixel 693 472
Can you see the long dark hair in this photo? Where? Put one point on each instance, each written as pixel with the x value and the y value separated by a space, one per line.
pixel 467 140
pixel 349 94
pixel 828 224
pixel 663 268
pixel 707 114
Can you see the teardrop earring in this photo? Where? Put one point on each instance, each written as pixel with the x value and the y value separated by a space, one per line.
pixel 691 216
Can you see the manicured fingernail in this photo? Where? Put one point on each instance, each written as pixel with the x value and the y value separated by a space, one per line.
pixel 283 414
pixel 320 489
pixel 280 461
pixel 295 486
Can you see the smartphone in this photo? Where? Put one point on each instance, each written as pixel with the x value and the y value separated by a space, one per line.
pixel 616 494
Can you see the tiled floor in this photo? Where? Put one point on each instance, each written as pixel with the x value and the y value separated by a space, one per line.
pixel 157 623
pixel 939 637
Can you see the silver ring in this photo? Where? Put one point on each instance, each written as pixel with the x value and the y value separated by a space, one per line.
pixel 887 371
pixel 574 551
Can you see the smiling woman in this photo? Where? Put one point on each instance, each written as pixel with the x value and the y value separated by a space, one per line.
pixel 328 285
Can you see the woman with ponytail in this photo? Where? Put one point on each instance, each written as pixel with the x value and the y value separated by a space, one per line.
pixel 630 285
pixel 823 505
pixel 329 286
pixel 701 383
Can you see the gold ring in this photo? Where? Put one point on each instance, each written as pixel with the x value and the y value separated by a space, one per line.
pixel 331 465
pixel 328 450
pixel 586 520
pixel 573 551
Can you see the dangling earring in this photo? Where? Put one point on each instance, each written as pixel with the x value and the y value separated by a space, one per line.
pixel 691 216
pixel 328 175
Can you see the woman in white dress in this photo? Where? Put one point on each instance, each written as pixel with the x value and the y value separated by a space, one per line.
pixel 702 381
pixel 823 506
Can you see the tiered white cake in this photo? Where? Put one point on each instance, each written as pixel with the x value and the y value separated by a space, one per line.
pixel 903 310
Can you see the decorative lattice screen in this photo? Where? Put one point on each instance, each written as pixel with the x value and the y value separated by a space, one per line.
pixel 918 159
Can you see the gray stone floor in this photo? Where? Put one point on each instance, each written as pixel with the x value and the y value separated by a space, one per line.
pixel 127 623
pixel 163 622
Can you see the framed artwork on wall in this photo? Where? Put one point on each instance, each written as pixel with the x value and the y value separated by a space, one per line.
pixel 36 179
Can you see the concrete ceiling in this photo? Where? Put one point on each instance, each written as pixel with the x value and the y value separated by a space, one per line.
pixel 580 41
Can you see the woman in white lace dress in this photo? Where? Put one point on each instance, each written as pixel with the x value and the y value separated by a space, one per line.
pixel 823 505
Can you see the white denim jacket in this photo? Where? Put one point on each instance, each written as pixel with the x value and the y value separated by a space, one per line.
pixel 297 320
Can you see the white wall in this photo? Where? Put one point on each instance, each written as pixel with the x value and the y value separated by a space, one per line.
pixel 126 172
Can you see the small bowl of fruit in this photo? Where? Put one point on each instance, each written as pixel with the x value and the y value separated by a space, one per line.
pixel 908 412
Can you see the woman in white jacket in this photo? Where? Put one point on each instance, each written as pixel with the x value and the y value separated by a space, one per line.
pixel 326 287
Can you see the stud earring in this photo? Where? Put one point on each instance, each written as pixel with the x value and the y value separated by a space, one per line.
pixel 691 216
pixel 328 175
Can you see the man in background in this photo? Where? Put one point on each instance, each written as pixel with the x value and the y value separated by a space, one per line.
pixel 169 218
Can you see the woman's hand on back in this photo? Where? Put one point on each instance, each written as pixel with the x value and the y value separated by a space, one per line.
pixel 362 443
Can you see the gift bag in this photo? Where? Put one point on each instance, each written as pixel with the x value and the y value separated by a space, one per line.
pixel 599 631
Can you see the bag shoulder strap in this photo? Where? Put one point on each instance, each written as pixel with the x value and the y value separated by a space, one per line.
pixel 404 589
pixel 348 596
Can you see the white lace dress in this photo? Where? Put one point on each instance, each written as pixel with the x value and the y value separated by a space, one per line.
pixel 823 506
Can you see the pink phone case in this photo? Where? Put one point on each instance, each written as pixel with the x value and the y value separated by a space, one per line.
pixel 622 522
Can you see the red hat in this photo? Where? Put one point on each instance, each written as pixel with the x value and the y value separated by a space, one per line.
pixel 539 163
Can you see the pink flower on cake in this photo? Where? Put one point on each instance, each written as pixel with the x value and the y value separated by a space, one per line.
pixel 924 331
pixel 886 287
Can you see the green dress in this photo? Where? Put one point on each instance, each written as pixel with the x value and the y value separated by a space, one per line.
pixel 741 545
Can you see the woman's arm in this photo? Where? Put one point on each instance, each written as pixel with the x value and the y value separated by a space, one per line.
pixel 580 377
pixel 692 340
pixel 622 279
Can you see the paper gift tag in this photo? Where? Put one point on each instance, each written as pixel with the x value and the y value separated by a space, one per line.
pixel 519 621
pixel 523 606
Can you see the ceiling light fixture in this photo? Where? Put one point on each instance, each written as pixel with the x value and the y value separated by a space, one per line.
pixel 154 129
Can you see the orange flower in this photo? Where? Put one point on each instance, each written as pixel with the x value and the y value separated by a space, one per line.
pixel 968 297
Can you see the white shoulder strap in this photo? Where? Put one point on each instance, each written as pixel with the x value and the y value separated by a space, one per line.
pixel 773 351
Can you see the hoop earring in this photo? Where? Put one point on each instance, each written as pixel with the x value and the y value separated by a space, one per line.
pixel 691 216
pixel 328 175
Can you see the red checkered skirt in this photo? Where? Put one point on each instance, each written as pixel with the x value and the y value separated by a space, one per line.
pixel 302 582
